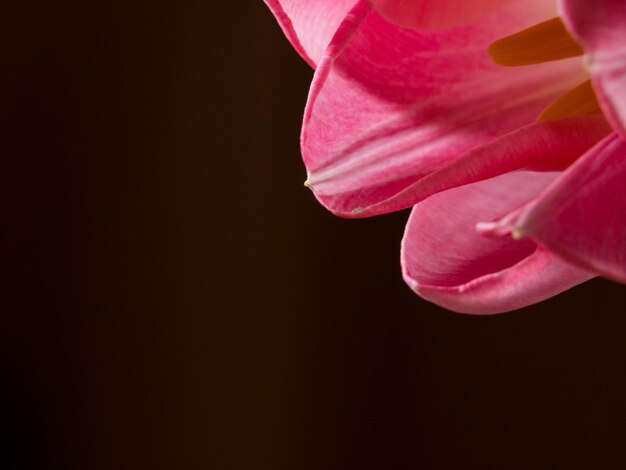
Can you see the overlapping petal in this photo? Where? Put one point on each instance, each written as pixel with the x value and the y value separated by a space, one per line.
pixel 310 24
pixel 435 13
pixel 391 105
pixel 582 215
pixel 542 146
pixel 445 260
pixel 600 27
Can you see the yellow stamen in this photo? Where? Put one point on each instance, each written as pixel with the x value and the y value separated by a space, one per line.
pixel 542 42
pixel 578 101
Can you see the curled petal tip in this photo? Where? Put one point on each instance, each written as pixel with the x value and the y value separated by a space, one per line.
pixel 504 227
pixel 517 234
pixel 492 229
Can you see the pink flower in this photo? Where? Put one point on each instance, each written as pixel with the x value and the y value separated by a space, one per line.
pixel 407 108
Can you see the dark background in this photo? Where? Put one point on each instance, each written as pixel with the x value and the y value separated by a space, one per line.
pixel 173 298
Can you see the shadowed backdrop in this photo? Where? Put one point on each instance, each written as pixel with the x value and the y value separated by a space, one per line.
pixel 172 297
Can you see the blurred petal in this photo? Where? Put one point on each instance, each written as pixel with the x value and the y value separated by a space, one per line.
pixel 310 24
pixel 544 146
pixel 582 216
pixel 390 105
pixel 445 260
pixel 600 26
pixel 435 13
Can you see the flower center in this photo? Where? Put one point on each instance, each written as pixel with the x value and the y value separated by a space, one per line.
pixel 545 42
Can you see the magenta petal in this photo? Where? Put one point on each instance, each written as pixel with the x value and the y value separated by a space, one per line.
pixel 447 261
pixel 600 27
pixel 390 105
pixel 543 146
pixel 582 216
pixel 310 24
pixel 435 13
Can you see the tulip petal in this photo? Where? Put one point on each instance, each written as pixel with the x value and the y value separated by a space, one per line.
pixel 582 216
pixel 543 146
pixel 446 261
pixel 390 105
pixel 310 24
pixel 435 13
pixel 600 27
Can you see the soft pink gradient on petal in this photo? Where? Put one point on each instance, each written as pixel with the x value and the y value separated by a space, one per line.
pixel 543 146
pixel 600 27
pixel 310 24
pixel 445 260
pixel 582 216
pixel 390 105
pixel 435 13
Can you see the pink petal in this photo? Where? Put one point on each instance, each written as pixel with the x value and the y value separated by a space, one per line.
pixel 435 13
pixel 582 216
pixel 390 105
pixel 543 146
pixel 445 260
pixel 600 27
pixel 310 24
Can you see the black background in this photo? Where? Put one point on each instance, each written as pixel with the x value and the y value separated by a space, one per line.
pixel 173 298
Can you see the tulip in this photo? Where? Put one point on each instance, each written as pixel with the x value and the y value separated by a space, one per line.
pixel 501 122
